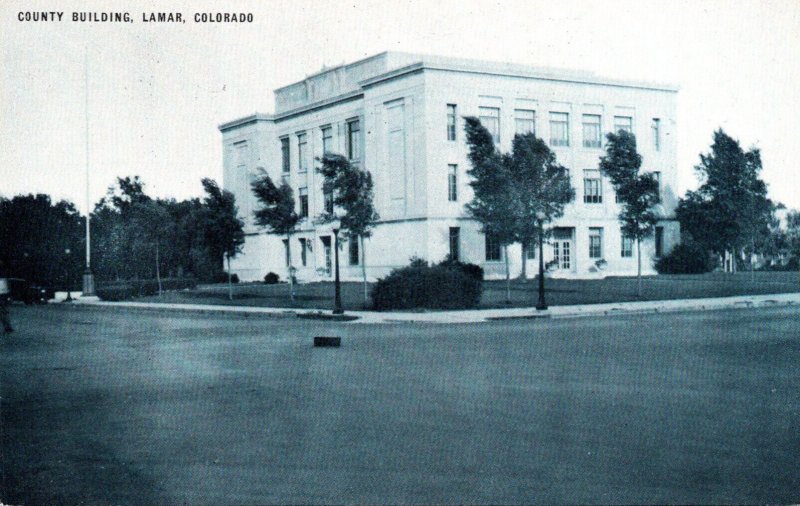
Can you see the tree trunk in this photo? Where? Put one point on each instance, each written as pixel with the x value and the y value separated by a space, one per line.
pixel 639 268
pixel 364 271
pixel 524 274
pixel 289 258
pixel 230 283
pixel 508 276
pixel 158 270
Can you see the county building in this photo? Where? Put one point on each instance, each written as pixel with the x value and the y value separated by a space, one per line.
pixel 400 116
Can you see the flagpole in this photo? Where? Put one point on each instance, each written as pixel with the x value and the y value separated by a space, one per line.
pixel 88 278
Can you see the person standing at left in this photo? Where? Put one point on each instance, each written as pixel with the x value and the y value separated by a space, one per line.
pixel 5 300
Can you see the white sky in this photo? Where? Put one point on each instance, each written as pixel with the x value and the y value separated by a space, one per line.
pixel 158 92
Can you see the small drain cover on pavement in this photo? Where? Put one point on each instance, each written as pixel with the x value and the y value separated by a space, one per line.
pixel 326 341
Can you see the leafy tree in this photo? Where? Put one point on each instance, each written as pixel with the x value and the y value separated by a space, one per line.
pixel 221 225
pixel 637 193
pixel 511 190
pixel 35 234
pixel 351 188
pixel 793 234
pixel 152 227
pixel 277 214
pixel 730 210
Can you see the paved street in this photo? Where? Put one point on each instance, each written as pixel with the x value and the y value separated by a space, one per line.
pixel 104 405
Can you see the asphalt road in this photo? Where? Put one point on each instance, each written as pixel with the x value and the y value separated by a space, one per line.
pixel 104 406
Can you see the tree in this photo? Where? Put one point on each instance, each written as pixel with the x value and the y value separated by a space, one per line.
pixel 730 210
pixel 793 235
pixel 35 234
pixel 277 214
pixel 637 193
pixel 351 188
pixel 512 190
pixel 152 227
pixel 221 225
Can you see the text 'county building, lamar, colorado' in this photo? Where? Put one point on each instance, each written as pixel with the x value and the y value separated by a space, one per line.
pixel 400 116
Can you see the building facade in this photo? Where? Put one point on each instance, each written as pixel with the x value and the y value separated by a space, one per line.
pixel 400 116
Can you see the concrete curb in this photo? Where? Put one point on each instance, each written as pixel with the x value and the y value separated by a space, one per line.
pixel 467 316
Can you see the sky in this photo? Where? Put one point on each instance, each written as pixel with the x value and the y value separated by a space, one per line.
pixel 157 92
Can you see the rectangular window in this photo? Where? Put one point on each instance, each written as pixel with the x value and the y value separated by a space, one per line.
pixel 455 243
pixel 451 122
pixel 595 242
pixel 328 198
pixel 494 253
pixel 623 123
pixel 559 129
pixel 327 140
pixel 452 183
pixel 285 154
pixel 302 152
pixel 286 251
pixel 328 252
pixel 353 249
pixel 659 242
pixel 525 121
pixel 656 127
pixel 354 139
pixel 303 202
pixel 303 254
pixel 490 119
pixel 592 187
pixel 626 249
pixel 591 131
pixel 533 247
pixel 657 177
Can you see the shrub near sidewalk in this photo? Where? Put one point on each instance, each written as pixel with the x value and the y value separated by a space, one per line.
pixel 123 290
pixel 421 286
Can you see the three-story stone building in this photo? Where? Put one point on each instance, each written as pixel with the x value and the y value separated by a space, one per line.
pixel 400 116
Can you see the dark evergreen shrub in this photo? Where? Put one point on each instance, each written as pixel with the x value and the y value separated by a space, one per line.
pixel 436 287
pixel 271 278
pixel 685 258
pixel 472 270
pixel 234 278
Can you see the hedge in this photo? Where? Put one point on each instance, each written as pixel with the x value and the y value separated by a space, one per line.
pixel 122 290
pixel 685 258
pixel 437 287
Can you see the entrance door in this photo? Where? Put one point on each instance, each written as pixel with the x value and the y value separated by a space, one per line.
pixel 562 248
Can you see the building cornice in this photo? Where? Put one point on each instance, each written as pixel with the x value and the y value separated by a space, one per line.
pixel 253 118
pixel 321 104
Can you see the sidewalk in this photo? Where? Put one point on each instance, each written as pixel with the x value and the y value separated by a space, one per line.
pixel 473 315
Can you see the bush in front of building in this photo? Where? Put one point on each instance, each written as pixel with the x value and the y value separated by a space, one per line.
pixel 685 258
pixel 428 287
pixel 472 270
pixel 123 290
pixel 271 278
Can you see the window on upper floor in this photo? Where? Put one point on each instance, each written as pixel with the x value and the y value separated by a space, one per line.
pixel 328 202
pixel 285 160
pixel 494 253
pixel 490 119
pixel 354 139
pixel 302 152
pixel 524 121
pixel 327 140
pixel 592 187
pixel 623 123
pixel 451 122
pixel 591 131
pixel 559 129
pixel 303 194
pixel 657 177
pixel 596 242
pixel 452 182
pixel 655 127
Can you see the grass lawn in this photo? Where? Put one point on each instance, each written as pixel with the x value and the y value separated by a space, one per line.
pixel 559 292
